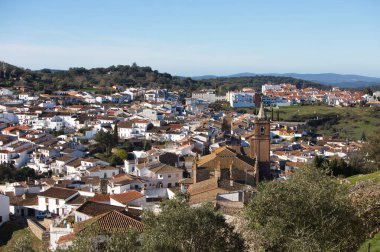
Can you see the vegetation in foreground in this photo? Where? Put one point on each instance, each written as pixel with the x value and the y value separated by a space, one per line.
pixel 311 211
pixel 14 239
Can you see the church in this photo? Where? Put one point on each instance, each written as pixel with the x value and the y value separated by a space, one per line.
pixel 232 168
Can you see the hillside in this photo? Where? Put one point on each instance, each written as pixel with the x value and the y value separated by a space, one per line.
pixel 46 80
pixel 233 83
pixel 342 80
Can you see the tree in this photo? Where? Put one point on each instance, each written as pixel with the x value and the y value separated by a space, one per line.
pixel 309 212
pixel 93 239
pixel 368 91
pixel 371 150
pixel 179 227
pixel 147 145
pixel 105 141
pixel 121 153
pixel 22 244
pixel 115 134
pixel 366 199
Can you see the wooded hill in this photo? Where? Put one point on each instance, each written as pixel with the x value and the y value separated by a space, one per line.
pixel 47 80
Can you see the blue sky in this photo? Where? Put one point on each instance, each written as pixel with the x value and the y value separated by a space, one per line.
pixel 194 37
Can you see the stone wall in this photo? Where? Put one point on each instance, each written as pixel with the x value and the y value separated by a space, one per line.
pixel 36 228
pixel 40 232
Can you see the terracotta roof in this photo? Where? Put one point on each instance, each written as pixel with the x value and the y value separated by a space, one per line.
pixel 98 168
pixel 75 163
pixel 92 208
pixel 66 238
pixel 18 127
pixel 165 169
pixel 111 221
pixel 66 158
pixel 100 198
pixel 126 197
pixel 24 200
pixel 58 193
pixel 77 200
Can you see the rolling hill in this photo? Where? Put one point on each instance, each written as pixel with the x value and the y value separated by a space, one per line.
pixel 342 80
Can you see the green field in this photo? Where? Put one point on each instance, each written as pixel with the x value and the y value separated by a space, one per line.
pixel 347 122
pixel 375 177
pixel 375 244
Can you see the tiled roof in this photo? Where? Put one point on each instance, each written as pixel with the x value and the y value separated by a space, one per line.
pixel 77 200
pixel 165 169
pixel 101 198
pixel 111 221
pixel 91 208
pixel 58 193
pixel 99 168
pixel 126 197
pixel 66 238
pixel 25 200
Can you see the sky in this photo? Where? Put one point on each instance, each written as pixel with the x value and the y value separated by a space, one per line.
pixel 191 38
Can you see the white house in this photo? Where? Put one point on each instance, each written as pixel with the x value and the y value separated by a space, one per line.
pixel 54 199
pixel 4 209
pixel 130 198
pixel 242 99
pixel 132 127
pixel 125 182
pixel 102 171
pixel 159 174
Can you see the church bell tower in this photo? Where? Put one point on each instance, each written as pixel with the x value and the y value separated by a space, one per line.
pixel 260 145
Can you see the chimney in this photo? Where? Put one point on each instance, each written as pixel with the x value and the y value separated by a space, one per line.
pixel 217 171
pixel 231 174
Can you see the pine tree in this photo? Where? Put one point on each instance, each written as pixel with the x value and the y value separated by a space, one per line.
pixel 115 134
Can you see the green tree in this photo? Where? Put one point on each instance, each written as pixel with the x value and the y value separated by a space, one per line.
pixel 22 244
pixel 147 145
pixel 116 134
pixel 121 153
pixel 105 141
pixel 368 91
pixel 89 240
pixel 371 150
pixel 179 227
pixel 309 212
pixel 366 199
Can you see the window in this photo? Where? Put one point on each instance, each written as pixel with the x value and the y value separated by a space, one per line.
pixel 262 130
pixel 57 201
pixel 160 176
pixel 1 219
pixel 169 185
pixel 169 176
pixel 46 200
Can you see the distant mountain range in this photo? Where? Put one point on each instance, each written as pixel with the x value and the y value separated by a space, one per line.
pixel 341 80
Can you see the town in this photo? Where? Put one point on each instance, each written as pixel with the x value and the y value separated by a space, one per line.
pixel 89 157
pixel 189 126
